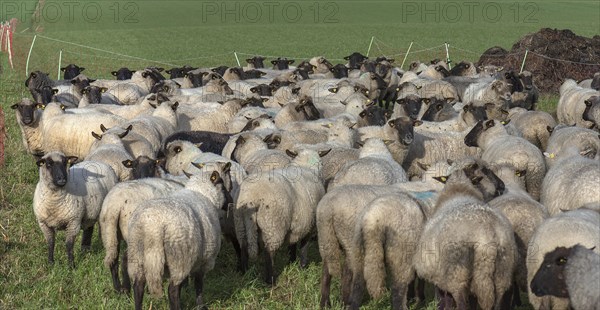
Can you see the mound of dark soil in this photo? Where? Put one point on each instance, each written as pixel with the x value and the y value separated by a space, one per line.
pixel 554 55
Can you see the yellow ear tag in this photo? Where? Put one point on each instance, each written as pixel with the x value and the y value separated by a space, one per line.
pixel 443 179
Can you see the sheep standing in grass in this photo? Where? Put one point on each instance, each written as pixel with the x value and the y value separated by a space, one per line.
pixel 566 229
pixel 180 233
pixel 285 213
pixel 467 247
pixel 70 198
pixel 570 273
pixel 525 215
pixel 571 104
pixel 501 148
pixel 117 208
pixel 387 232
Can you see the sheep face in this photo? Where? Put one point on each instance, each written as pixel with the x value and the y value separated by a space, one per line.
pixel 123 74
pixel 44 95
pixel 404 128
pixel 442 70
pixel 165 86
pixel 71 71
pixel 25 111
pixel 94 94
pixel 252 74
pixel 219 70
pixel 142 167
pixel 485 180
pixel 262 90
pixel 339 71
pixel 412 105
pixel 254 102
pixel 256 123
pixel 550 278
pixel 438 110
pixel 53 168
pixel 526 79
pixel 373 116
pixel 464 69
pixel 473 114
pixel 256 61
pixel 307 108
pixel 355 59
pixel 592 109
pixel 179 72
pixel 514 81
pixel 195 79
pixel 368 66
pixel 473 135
pixel 80 82
pixel 281 63
pixel 35 76
pixel 233 73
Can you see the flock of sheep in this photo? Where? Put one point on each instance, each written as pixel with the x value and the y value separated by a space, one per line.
pixel 452 177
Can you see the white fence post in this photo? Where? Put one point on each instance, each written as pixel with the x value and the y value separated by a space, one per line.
pixel 370 44
pixel 405 56
pixel 524 58
pixel 29 55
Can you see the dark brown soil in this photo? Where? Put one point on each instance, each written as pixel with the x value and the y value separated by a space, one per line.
pixel 580 57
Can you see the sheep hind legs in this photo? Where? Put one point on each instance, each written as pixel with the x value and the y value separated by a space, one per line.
pixel 126 285
pixel 416 294
pixel 303 245
pixel 199 286
pixel 86 239
pixel 138 292
pixel 114 272
pixel 270 277
pixel 174 296
pixel 325 287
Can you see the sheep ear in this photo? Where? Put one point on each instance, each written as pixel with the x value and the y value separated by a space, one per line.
pixel 14 106
pixel 198 145
pixel 476 180
pixel 291 154
pixel 343 102
pixel 323 153
pixel 489 124
pixel 62 107
pixel 114 73
pixel 520 173
pixel 442 179
pixel 103 89
pixel 72 159
pixel 425 100
pixel 333 90
pixel 417 123
pixel 360 144
pixel 97 136
pixel 274 62
pixel 291 61
pixel 449 99
pixel 423 166
pixel 55 91
pixel 550 129
pixel 549 155
pixel 240 140
pixel 40 162
pixel 175 105
pixel 227 167
pixel 388 142
pixel 253 89
pixel 127 163
pixel 363 113
pixel 505 122
pixel 103 128
pixel 198 165
pixel 187 174
pixel 63 69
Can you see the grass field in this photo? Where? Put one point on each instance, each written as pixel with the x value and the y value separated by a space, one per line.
pixel 187 32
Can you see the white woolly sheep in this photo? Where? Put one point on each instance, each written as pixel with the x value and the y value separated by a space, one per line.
pixel 180 233
pixel 70 199
pixel 571 104
pixel 567 139
pixel 110 149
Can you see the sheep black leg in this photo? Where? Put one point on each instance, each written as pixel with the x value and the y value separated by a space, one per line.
pixel 238 252
pixel 138 292
pixel 325 286
pixel 174 302
pixel 114 272
pixel 199 286
pixel 269 263
pixel 126 287
pixel 357 291
pixel 304 252
pixel 472 302
pixel 516 300
pixel 462 300
pixel 346 284
pixel 244 258
pixel 399 293
pixel 292 253
pixel 444 299
pixel 420 290
pixel 86 239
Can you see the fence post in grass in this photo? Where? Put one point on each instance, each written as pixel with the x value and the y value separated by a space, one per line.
pixel 236 58
pixel 405 56
pixel 524 58
pixel 2 137
pixel 448 61
pixel 29 55
pixel 370 44
pixel 9 47
pixel 59 65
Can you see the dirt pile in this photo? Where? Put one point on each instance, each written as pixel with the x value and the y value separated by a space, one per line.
pixel 554 55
